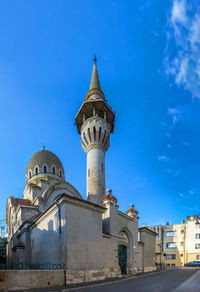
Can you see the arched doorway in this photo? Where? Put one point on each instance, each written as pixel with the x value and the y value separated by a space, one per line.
pixel 122 252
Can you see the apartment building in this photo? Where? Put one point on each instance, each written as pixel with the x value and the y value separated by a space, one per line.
pixel 177 244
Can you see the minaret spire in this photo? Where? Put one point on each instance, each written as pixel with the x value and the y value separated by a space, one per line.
pixel 95 87
pixel 95 83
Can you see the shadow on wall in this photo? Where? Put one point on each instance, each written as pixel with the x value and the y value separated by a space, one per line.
pixel 42 248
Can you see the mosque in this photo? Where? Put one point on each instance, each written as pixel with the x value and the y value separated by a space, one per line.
pixel 53 225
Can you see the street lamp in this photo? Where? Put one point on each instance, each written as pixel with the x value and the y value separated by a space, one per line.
pixel 197 217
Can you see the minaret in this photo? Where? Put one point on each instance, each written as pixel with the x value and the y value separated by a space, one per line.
pixel 95 122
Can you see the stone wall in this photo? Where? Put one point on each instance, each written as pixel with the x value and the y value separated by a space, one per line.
pixel 149 269
pixel 76 277
pixel 148 238
pixel 27 279
pixel 18 280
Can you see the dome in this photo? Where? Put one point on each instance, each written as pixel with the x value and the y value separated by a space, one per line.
pixel 44 162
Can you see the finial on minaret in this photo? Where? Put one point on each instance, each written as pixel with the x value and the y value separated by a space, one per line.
pixel 109 192
pixel 95 59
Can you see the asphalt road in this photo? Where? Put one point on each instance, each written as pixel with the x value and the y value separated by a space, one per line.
pixel 175 280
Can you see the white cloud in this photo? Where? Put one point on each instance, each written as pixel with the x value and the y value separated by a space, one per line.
pixel 175 114
pixel 178 13
pixel 193 191
pixel 163 158
pixel 173 111
pixel 182 71
pixel 194 34
pixel 183 39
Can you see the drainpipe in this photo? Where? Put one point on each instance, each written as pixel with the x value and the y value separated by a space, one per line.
pixel 60 231
pixel 143 258
pixel 59 216
pixel 184 244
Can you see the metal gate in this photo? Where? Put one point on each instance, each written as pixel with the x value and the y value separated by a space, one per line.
pixel 122 258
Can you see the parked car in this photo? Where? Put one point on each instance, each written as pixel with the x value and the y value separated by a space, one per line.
pixel 193 264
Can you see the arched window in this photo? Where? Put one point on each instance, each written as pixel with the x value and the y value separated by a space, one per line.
pixel 104 136
pixel 94 131
pixel 84 137
pixel 89 135
pixel 53 170
pixel 99 133
pixel 29 174
pixel 45 169
pixel 36 170
pixel 61 173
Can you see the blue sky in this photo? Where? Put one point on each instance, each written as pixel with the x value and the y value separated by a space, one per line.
pixel 149 65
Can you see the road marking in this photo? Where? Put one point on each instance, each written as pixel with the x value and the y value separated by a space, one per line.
pixel 191 284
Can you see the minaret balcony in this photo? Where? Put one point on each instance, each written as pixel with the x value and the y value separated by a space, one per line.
pixel 95 133
pixel 87 108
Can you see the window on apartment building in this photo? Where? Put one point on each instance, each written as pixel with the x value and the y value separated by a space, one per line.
pixel 170 256
pixel 198 257
pixel 197 246
pixel 197 235
pixel 170 245
pixel 182 231
pixel 170 233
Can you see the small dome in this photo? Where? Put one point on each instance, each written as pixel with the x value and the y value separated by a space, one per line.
pixel 44 162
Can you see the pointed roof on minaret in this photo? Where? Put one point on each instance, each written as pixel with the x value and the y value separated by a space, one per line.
pixel 95 83
pixel 95 103
pixel 95 87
